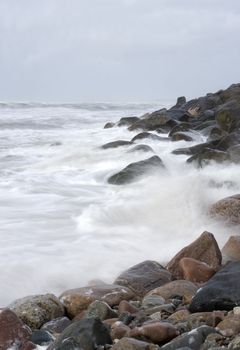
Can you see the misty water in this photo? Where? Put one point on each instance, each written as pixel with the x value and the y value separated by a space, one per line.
pixel 62 224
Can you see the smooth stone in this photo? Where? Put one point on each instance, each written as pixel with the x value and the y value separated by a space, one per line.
pixel 204 248
pixel 86 334
pixel 179 316
pixel 185 289
pixel 153 121
pixel 57 325
pixel 141 148
pixel 125 121
pixel 196 271
pixel 119 330
pixel 221 292
pixel 116 144
pixel 13 331
pixel 35 310
pixel 227 209
pixel 41 337
pixel 134 171
pixel 143 277
pixel 156 332
pixel 211 319
pixel 133 344
pixel 77 300
pixel 100 309
pixel 150 301
pixel 193 339
pixel 125 306
pixel 148 135
pixel 109 125
pixel 230 326
pixel 231 249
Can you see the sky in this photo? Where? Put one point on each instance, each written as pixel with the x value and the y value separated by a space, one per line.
pixel 117 50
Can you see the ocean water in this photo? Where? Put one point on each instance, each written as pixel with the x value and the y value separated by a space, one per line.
pixel 62 224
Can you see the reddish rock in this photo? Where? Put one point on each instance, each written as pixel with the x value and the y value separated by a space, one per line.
pixel 156 332
pixel 133 344
pixel 204 248
pixel 231 250
pixel 227 209
pixel 13 331
pixel 125 306
pixel 195 270
pixel 119 330
pixel 185 289
pixel 77 300
pixel 143 277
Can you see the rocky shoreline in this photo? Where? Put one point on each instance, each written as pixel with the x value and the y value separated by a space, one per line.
pixel 191 303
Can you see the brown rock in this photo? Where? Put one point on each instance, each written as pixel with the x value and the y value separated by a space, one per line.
pixel 77 300
pixel 227 209
pixel 195 270
pixel 156 332
pixel 119 330
pixel 179 316
pixel 231 250
pixel 230 325
pixel 204 248
pixel 125 306
pixel 185 289
pixel 205 318
pixel 110 321
pixel 144 277
pixel 133 344
pixel 13 331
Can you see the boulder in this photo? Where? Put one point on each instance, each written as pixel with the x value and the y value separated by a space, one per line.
pixel 57 325
pixel 36 310
pixel 182 136
pixel 77 300
pixel 109 125
pixel 180 128
pixel 231 250
pixel 221 292
pixel 227 209
pixel 228 141
pixel 227 116
pixel 143 277
pixel 100 309
pixel 133 171
pixel 154 121
pixel 195 271
pixel 116 144
pixel 182 288
pixel 230 325
pixel 155 332
pixel 208 155
pixel 148 135
pixel 86 334
pixel 204 248
pixel 13 332
pixel 125 121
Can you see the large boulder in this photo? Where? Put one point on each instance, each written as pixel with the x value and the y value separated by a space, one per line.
pixel 154 121
pixel 77 300
pixel 204 248
pixel 36 310
pixel 221 292
pixel 195 271
pixel 231 249
pixel 13 332
pixel 125 121
pixel 144 277
pixel 227 209
pixel 86 334
pixel 135 170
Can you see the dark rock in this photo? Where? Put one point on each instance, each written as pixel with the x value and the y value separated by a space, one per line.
pixel 135 170
pixel 228 141
pixel 36 310
pixel 142 148
pixel 86 334
pixel 196 149
pixel 100 309
pixel 193 339
pixel 127 121
pixel 109 125
pixel 181 101
pixel 208 155
pixel 13 332
pixel 227 116
pixel 234 153
pixel 154 121
pixel 57 325
pixel 116 144
pixel 227 209
pixel 221 292
pixel 180 127
pixel 41 337
pixel 204 248
pixel 77 300
pixel 144 277
pixel 148 135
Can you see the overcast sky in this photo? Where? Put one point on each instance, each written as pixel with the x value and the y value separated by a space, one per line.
pixel 117 50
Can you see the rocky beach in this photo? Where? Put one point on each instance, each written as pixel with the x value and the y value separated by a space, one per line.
pixel 190 301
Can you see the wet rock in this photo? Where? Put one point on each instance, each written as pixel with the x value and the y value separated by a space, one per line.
pixel 185 136
pixel 231 250
pixel 221 292
pixel 77 300
pixel 185 289
pixel 142 148
pixel 125 306
pixel 204 248
pixel 227 116
pixel 133 344
pixel 125 121
pixel 57 325
pixel 195 271
pixel 234 153
pixel 13 331
pixel 151 301
pixel 135 170
pixel 215 133
pixel 227 209
pixel 36 310
pixel 116 144
pixel 100 309
pixel 148 135
pixel 144 277
pixel 196 149
pixel 41 337
pixel 119 330
pixel 181 101
pixel 156 332
pixel 152 122
pixel 208 155
pixel 211 319
pixel 179 128
pixel 193 339
pixel 228 141
pixel 86 334
pixel 109 125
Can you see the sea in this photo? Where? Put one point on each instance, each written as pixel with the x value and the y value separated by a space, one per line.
pixel 62 225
